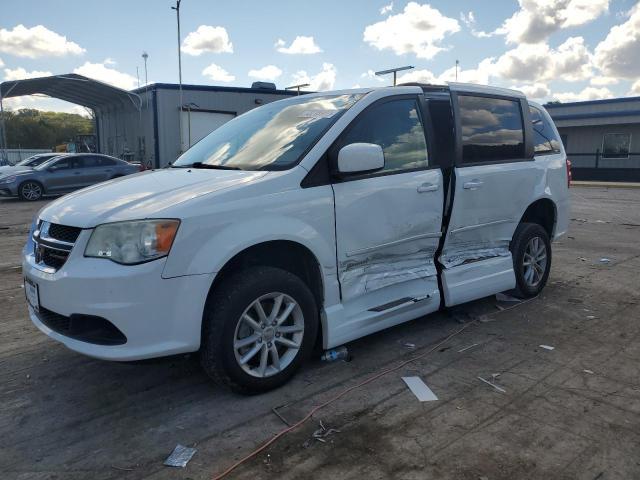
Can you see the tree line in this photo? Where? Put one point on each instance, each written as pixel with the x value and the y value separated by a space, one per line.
pixel 30 128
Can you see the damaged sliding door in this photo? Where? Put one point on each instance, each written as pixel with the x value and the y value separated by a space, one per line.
pixel 388 223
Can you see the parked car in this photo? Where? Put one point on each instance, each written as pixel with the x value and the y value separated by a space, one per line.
pixel 319 218
pixel 31 162
pixel 62 174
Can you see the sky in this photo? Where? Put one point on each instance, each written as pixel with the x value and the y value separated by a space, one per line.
pixel 564 50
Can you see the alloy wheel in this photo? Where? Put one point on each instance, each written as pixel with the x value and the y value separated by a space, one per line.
pixel 31 191
pixel 534 261
pixel 268 335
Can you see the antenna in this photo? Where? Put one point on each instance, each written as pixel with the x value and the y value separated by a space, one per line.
pixel 297 87
pixel 394 71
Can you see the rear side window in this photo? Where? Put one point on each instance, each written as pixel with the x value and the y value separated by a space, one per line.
pixel 397 127
pixel 492 129
pixel 545 139
pixel 106 162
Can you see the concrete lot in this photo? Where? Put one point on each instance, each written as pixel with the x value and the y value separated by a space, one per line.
pixel 573 412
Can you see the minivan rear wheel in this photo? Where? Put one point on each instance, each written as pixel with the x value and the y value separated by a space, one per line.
pixel 259 327
pixel 30 191
pixel 531 251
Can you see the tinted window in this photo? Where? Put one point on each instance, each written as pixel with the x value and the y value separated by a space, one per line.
pixel 106 162
pixel 491 129
pixel 545 139
pixel 616 145
pixel 397 127
pixel 62 164
pixel 89 161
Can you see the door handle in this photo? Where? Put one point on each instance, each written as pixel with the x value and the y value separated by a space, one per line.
pixel 473 184
pixel 428 187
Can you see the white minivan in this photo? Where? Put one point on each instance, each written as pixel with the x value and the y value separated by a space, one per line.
pixel 307 222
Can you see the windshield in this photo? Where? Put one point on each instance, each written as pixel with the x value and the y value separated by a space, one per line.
pixel 34 161
pixel 270 137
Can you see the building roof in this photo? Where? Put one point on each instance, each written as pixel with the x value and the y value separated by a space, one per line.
pixel 612 111
pixel 73 88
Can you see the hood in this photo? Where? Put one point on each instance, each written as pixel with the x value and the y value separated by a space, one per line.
pixel 142 195
pixel 12 169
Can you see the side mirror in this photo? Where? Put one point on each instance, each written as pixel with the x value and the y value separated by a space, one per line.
pixel 360 158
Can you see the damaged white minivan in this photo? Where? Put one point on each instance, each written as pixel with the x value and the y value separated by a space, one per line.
pixel 307 222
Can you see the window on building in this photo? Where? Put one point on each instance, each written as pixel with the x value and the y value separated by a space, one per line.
pixel 616 145
pixel 545 139
pixel 492 129
pixel 397 127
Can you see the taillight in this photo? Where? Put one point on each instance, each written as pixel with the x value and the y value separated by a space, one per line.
pixel 568 173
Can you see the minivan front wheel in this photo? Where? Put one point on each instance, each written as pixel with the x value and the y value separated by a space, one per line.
pixel 531 250
pixel 259 327
pixel 30 191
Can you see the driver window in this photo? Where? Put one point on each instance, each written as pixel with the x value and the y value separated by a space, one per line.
pixel 396 126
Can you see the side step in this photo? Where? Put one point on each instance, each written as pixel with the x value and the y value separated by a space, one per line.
pixel 401 302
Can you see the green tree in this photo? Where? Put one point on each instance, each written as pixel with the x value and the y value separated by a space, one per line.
pixel 29 128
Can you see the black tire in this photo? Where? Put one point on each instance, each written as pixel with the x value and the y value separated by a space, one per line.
pixel 530 281
pixel 223 311
pixel 30 191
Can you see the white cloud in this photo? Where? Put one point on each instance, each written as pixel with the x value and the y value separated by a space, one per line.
pixel 371 76
pixel 103 73
pixel 217 73
pixel 468 19
pixel 571 61
pixel 268 73
pixel 535 91
pixel 588 93
pixel 1 63
pixel 301 45
pixel 21 74
pixel 207 39
pixel 418 76
pixel 537 19
pixel 480 74
pixel 617 55
pixel 386 9
pixel 324 80
pixel 419 29
pixel 601 81
pixel 635 88
pixel 36 42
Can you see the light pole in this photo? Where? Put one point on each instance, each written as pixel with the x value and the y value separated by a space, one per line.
pixel 145 55
pixel 177 9
pixel 457 65
pixel 394 71
pixel 189 106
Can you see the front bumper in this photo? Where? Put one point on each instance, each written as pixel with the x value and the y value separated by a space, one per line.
pixel 158 316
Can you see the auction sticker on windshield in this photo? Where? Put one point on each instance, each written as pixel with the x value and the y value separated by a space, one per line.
pixel 31 291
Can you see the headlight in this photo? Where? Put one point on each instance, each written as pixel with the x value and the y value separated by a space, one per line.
pixel 132 242
pixel 10 179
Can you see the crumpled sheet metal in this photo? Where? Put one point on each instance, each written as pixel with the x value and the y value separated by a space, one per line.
pixel 381 269
pixel 460 253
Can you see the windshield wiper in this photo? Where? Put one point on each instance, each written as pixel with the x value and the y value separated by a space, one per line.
pixel 212 167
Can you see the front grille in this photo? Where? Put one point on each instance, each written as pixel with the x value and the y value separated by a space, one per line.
pixel 53 258
pixel 86 328
pixel 53 243
pixel 64 233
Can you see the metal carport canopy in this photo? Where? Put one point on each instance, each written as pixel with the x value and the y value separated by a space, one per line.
pixel 73 88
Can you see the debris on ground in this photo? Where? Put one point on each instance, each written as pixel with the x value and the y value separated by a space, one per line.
pixel 547 347
pixel 502 297
pixel 500 389
pixel 583 259
pixel 180 456
pixel 340 353
pixel 409 345
pixel 591 317
pixel 323 432
pixel 467 348
pixel 420 389
pixel 605 260
pixel 590 372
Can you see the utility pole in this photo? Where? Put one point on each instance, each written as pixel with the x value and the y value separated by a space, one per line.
pixel 394 71
pixel 138 76
pixel 177 9
pixel 457 64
